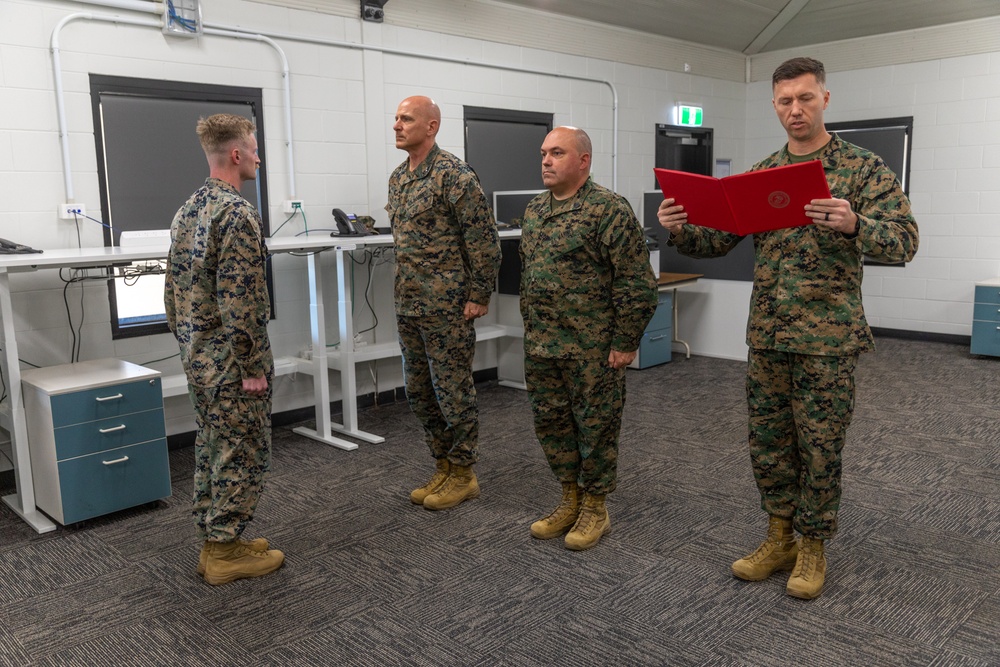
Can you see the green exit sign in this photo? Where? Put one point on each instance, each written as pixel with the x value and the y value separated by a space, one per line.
pixel 689 115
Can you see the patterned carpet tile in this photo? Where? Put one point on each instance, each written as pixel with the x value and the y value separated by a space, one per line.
pixel 970 515
pixel 48 564
pixel 12 651
pixel 963 425
pixel 88 609
pixel 284 608
pixel 380 637
pixel 921 550
pixel 977 635
pixel 794 632
pixel 952 659
pixel 881 464
pixel 598 574
pixel 875 495
pixel 878 433
pixel 596 634
pixel 489 614
pixel 180 638
pixel 881 593
pixel 977 480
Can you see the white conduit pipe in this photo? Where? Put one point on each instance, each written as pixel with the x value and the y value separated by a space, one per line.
pixel 60 101
pixel 155 23
pixel 268 37
pixel 235 34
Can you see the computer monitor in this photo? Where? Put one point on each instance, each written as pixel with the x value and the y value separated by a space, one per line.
pixel 509 205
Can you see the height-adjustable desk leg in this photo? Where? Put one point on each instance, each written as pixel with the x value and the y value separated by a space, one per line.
pixel 23 501
pixel 687 348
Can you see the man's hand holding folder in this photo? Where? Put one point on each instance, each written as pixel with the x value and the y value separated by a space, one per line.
pixel 757 201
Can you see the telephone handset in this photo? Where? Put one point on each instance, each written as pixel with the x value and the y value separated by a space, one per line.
pixel 348 224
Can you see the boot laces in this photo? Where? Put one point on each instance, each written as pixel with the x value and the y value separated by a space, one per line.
pixel 439 477
pixel 807 563
pixel 246 549
pixel 587 519
pixel 446 486
pixel 773 542
pixel 564 510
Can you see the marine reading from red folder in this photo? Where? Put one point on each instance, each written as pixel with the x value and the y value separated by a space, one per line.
pixel 757 201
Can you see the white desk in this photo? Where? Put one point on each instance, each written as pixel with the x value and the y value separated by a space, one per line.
pixel 345 358
pixel 13 418
pixel 23 500
pixel 671 281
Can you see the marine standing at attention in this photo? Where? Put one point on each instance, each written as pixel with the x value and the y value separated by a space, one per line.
pixel 587 294
pixel 217 306
pixel 447 258
pixel 807 325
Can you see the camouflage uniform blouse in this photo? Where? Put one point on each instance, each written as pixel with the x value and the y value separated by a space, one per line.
pixel 447 248
pixel 586 283
pixel 807 280
pixel 215 289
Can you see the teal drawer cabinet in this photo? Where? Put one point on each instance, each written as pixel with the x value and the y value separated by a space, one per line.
pixel 96 438
pixel 986 319
pixel 657 341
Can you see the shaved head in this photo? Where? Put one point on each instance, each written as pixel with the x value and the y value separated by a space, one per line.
pixel 423 107
pixel 418 120
pixel 581 139
pixel 566 154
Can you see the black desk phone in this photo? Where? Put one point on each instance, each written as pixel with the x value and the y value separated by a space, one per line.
pixel 12 248
pixel 349 225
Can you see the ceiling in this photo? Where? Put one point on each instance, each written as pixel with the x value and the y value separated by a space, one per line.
pixel 756 26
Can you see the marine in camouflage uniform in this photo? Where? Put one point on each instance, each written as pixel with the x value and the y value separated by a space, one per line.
pixel 447 257
pixel 807 324
pixel 586 288
pixel 587 293
pixel 217 306
pixel 806 302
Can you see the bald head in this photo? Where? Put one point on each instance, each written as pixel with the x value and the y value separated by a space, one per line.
pixel 581 138
pixel 566 154
pixel 418 119
pixel 423 107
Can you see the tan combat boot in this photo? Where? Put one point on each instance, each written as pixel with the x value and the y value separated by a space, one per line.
pixel 591 524
pixel 460 486
pixel 417 495
pixel 562 517
pixel 776 553
pixel 259 544
pixel 809 574
pixel 229 561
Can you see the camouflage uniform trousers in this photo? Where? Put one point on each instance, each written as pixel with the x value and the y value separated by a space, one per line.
pixel 232 457
pixel 577 406
pixel 437 370
pixel 800 408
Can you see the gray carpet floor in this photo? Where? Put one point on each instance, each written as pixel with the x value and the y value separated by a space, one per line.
pixel 914 574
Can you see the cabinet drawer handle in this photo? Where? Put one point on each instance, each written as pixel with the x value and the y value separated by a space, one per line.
pixel 120 427
pixel 111 463
pixel 656 338
pixel 101 399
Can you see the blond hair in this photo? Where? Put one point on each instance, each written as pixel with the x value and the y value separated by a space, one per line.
pixel 217 132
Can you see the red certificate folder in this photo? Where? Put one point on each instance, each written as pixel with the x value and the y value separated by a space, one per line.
pixel 757 201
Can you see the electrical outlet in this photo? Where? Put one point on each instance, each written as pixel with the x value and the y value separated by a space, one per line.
pixel 70 211
pixel 292 205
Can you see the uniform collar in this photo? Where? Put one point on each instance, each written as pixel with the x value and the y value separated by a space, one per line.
pixel 574 202
pixel 424 168
pixel 829 157
pixel 219 183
